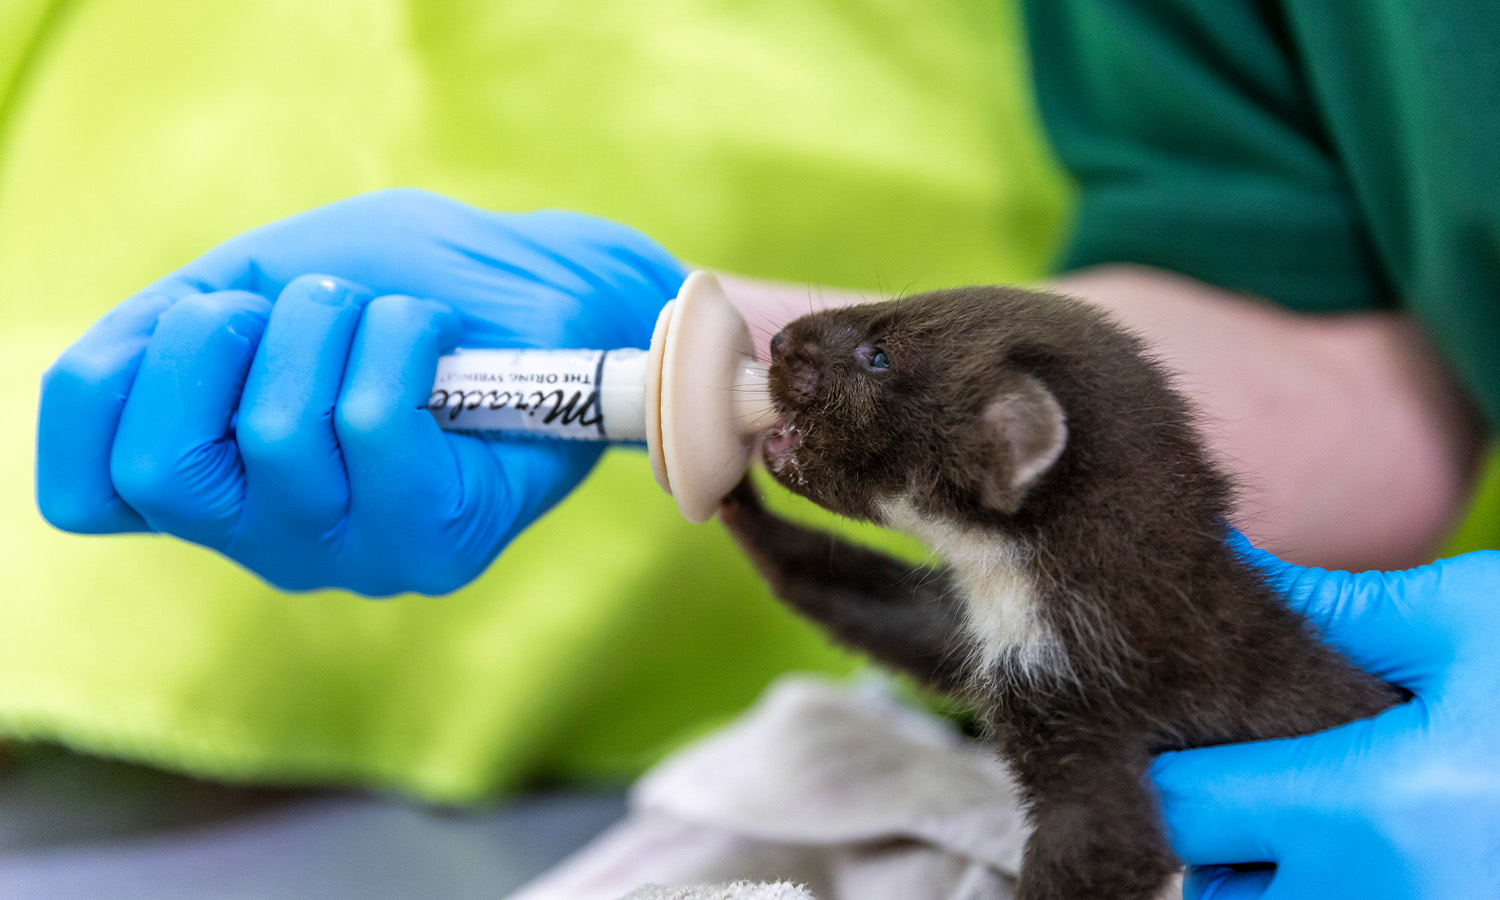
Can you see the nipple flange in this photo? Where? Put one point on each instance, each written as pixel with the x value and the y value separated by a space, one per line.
pixel 706 397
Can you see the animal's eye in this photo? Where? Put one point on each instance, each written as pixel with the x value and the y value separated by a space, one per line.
pixel 875 357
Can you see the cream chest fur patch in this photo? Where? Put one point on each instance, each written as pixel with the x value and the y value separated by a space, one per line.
pixel 999 592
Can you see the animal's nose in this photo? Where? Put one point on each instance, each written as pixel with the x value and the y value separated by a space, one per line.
pixel 802 384
pixel 778 342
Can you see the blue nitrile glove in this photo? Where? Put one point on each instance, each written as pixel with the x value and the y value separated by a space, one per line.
pixel 266 400
pixel 1402 805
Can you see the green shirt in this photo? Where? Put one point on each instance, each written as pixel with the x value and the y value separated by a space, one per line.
pixel 1328 156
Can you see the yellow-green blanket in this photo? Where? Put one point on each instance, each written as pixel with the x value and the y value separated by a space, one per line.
pixel 872 143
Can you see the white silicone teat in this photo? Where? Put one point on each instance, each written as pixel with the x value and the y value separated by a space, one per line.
pixel 709 394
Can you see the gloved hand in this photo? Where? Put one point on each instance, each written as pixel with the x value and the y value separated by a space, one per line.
pixel 290 435
pixel 1403 805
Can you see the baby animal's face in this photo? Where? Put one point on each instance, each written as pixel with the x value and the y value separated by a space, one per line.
pixel 931 398
pixel 854 389
pixel 838 380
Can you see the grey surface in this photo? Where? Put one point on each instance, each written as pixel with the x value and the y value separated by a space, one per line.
pixel 51 798
pixel 76 828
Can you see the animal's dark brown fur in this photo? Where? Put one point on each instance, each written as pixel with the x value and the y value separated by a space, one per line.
pixel 1169 639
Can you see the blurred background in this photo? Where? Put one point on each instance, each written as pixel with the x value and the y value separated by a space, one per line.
pixel 881 145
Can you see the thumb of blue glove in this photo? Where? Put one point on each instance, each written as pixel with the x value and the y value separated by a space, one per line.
pixel 1402 805
pixel 265 400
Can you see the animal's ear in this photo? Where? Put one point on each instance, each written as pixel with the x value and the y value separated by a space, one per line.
pixel 1024 430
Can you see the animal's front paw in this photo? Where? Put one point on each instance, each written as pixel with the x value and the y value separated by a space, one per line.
pixel 744 500
pixel 762 534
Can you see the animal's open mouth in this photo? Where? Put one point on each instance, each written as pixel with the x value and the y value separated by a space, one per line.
pixel 781 443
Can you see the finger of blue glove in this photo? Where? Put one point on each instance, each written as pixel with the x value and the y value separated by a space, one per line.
pixel 230 266
pixel 83 394
pixel 380 239
pixel 1237 803
pixel 653 272
pixel 537 474
pixel 403 474
pixel 264 260
pixel 1224 883
pixel 174 458
pixel 1367 615
pixel 295 483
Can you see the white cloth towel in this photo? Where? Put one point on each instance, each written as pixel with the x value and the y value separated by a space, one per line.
pixel 841 790
pixel 740 890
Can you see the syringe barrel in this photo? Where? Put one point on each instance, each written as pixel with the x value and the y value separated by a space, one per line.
pixel 587 395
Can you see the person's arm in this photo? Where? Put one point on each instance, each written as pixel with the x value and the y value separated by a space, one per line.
pixel 1350 444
